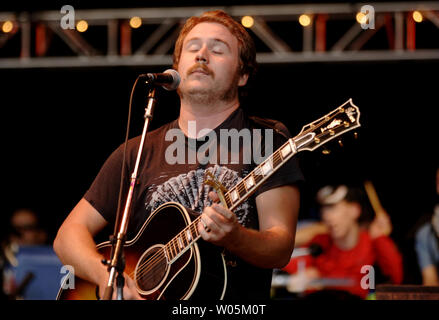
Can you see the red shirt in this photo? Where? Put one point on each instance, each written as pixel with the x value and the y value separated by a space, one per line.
pixel 347 264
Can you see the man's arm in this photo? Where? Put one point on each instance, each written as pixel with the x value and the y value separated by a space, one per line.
pixel 74 243
pixel 75 246
pixel 270 246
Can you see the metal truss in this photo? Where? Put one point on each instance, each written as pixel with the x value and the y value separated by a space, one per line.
pixel 37 40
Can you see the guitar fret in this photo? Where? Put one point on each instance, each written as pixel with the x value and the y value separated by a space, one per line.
pixel 241 189
pixel 189 235
pixel 285 150
pixel 168 254
pixel 267 166
pixel 180 242
pixel 183 237
pixel 228 200
pixel 277 160
pixel 249 182
pixel 177 249
pixel 193 229
pixel 174 249
pixel 258 175
pixel 254 178
pixel 169 250
pixel 234 195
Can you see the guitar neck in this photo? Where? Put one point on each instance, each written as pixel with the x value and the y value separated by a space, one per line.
pixel 337 122
pixel 247 186
pixel 238 194
pixel 182 241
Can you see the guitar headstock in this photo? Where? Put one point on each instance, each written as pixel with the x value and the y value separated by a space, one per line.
pixel 339 121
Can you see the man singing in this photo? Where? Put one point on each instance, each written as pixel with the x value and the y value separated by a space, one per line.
pixel 215 57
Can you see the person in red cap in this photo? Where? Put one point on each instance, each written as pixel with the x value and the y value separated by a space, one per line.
pixel 350 254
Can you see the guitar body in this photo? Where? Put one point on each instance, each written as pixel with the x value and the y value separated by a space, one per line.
pixel 199 273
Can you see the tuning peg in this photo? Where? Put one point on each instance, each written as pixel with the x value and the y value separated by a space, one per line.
pixel 340 143
pixel 326 151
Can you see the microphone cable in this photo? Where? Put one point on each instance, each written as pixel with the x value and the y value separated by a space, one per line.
pixel 122 175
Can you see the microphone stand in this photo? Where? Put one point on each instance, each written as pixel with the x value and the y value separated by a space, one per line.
pixel 117 262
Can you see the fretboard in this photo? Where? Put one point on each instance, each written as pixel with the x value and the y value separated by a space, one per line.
pixel 312 136
pixel 247 186
pixel 234 197
pixel 182 241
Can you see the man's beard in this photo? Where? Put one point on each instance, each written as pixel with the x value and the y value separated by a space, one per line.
pixel 210 95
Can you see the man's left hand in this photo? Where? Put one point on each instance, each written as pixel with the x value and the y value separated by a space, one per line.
pixel 218 225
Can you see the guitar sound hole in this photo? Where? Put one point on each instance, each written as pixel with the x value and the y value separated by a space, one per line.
pixel 151 269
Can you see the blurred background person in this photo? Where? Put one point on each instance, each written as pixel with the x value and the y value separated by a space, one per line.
pixel 427 244
pixel 353 239
pixel 307 230
pixel 30 268
pixel 26 229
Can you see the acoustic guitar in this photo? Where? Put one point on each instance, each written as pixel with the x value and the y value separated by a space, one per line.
pixel 166 260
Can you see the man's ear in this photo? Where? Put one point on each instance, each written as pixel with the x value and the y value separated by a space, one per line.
pixel 243 80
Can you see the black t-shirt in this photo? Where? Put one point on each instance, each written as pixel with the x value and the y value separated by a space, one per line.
pixel 173 168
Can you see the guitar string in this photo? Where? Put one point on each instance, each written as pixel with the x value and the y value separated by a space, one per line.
pixel 157 259
pixel 241 186
pixel 154 260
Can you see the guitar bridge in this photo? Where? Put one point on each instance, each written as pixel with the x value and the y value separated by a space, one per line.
pixel 210 179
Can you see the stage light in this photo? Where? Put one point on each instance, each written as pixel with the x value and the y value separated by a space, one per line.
pixel 7 26
pixel 305 20
pixel 361 17
pixel 417 16
pixel 247 21
pixel 82 26
pixel 135 22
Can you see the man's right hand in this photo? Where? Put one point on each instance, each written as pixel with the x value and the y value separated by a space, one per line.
pixel 129 290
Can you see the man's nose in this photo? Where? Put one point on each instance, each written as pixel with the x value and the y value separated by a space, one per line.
pixel 202 55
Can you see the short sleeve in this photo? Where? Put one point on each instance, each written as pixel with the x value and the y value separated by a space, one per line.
pixel 103 193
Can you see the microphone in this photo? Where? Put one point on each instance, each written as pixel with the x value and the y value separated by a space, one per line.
pixel 169 80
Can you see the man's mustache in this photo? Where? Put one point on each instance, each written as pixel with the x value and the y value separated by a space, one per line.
pixel 203 67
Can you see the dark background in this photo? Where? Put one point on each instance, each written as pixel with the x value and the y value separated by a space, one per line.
pixel 59 126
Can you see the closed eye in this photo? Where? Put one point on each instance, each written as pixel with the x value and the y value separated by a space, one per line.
pixel 218 47
pixel 193 48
